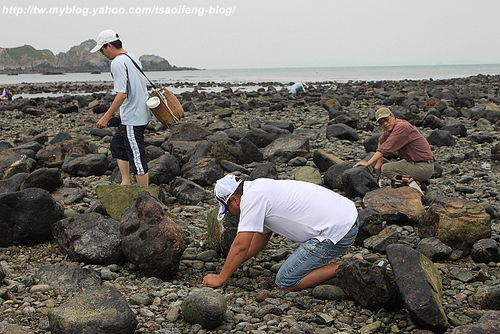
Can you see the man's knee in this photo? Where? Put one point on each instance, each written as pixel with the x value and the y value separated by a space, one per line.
pixel 285 281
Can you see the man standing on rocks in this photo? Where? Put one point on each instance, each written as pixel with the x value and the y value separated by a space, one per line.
pixel 127 145
pixel 324 221
pixel 401 137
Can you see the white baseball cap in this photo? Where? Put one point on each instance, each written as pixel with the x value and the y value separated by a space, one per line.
pixel 225 188
pixel 106 36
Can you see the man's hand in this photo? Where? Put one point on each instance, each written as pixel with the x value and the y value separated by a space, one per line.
pixel 213 280
pixel 361 163
pixel 103 122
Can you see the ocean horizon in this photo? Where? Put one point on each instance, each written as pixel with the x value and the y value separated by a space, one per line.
pixel 283 75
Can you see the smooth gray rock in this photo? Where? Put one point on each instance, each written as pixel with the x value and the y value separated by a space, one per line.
pixel 434 249
pixel 67 277
pixel 205 307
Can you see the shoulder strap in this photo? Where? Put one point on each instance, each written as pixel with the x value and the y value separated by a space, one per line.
pixel 152 84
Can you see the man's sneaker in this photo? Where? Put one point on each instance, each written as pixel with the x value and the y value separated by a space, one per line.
pixel 414 185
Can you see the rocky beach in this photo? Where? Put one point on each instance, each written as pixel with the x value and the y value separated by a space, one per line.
pixel 76 250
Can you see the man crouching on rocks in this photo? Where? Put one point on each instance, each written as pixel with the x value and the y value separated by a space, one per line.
pixel 324 221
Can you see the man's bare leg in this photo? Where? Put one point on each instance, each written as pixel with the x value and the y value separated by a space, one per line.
pixel 142 180
pixel 317 276
pixel 124 168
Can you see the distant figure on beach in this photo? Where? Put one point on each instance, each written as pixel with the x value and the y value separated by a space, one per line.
pixel 127 145
pixel 6 94
pixel 325 222
pixel 401 137
pixel 297 89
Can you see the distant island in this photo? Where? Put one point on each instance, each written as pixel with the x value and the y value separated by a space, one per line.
pixel 27 59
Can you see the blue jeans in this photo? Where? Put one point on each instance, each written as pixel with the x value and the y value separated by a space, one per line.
pixel 310 255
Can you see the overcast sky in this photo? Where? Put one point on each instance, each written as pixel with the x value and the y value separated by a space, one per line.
pixel 270 33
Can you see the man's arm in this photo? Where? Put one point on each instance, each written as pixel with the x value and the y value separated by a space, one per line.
pixel 117 102
pixel 237 255
pixel 376 157
pixel 259 241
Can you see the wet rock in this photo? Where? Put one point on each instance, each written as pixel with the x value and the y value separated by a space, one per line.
pixel 457 222
pixel 333 176
pixel 67 277
pixel 488 296
pixel 358 181
pixel 341 131
pixel 115 198
pixel 187 192
pixel 45 178
pixel 485 251
pixel 105 310
pixel 386 237
pixel 369 285
pixel 328 292
pixel 152 238
pixel 489 323
pixel 26 216
pixel 399 205
pixel 434 249
pixel 54 155
pixel 324 160
pixel 89 238
pixel 308 174
pixel 205 307
pixel 260 137
pixel 419 283
pixel 265 169
pixel 441 138
pixel 163 169
pixel 286 147
pixel 221 234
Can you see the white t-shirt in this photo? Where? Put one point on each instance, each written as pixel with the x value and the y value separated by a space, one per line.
pixel 127 79
pixel 296 210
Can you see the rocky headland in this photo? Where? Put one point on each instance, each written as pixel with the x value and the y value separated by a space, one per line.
pixel 78 252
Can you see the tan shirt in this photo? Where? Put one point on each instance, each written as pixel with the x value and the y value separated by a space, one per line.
pixel 407 141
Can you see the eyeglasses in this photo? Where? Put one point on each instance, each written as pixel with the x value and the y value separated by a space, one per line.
pixel 383 120
pixel 101 50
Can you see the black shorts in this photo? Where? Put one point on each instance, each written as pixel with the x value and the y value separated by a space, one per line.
pixel 128 144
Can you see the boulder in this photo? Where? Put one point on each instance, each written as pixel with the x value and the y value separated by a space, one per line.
pixel 356 182
pixel 60 137
pixel 101 310
pixel 370 223
pixel 434 249
pixel 152 238
pixel 265 169
pixel 333 176
pixel 488 295
pixel 489 323
pixel 54 155
pixel 221 234
pixel 286 147
pixel 341 131
pixel 419 283
pixel 17 164
pixel 485 251
pixel 371 143
pixel 45 178
pixel 233 167
pixel 115 198
pixel 260 137
pixel 164 169
pixel 308 174
pixel 397 205
pixel 89 238
pixel 328 292
pixel 187 192
pixel 369 285
pixel 205 307
pixel 69 195
pixel 13 183
pixel 26 216
pixel 189 131
pixel 68 109
pixel 433 122
pixel 90 164
pixel 456 129
pixel 386 237
pixel 67 277
pixel 250 152
pixel 324 160
pixel 459 223
pixel 204 172
pixel 441 138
